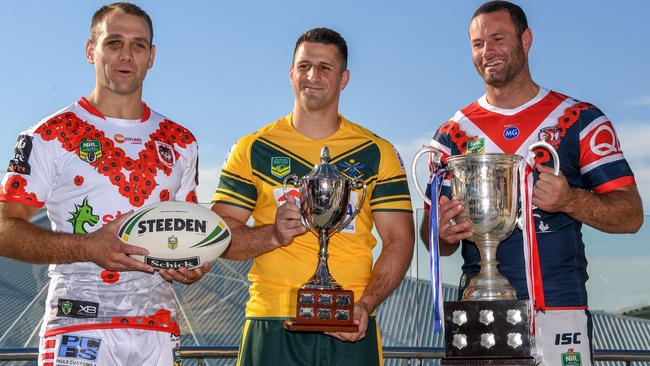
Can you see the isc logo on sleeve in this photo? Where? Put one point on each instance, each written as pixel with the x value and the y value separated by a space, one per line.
pixel 84 348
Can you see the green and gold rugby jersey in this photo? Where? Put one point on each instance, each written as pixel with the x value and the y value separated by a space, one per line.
pixel 252 179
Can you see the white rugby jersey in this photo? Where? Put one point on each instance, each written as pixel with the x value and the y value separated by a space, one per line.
pixel 87 169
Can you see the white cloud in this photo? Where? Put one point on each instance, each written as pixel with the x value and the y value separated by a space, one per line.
pixel 208 180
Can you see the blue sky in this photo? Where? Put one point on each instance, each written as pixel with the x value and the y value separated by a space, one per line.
pixel 222 70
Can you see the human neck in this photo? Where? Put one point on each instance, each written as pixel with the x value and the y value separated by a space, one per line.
pixel 514 94
pixel 317 124
pixel 116 105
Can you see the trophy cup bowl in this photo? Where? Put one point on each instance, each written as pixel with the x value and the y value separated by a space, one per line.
pixel 323 304
pixel 487 186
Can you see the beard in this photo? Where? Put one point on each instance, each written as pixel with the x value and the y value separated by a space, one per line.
pixel 514 66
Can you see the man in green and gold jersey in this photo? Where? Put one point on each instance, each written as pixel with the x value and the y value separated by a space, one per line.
pixel 284 254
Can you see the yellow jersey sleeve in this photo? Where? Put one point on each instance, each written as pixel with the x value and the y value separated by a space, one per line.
pixel 391 192
pixel 236 186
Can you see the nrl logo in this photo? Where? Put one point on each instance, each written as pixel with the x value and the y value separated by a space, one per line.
pixel 571 358
pixel 476 146
pixel 66 307
pixel 280 166
pixel 90 151
pixel 172 242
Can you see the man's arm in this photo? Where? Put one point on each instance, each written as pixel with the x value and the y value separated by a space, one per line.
pixel 618 211
pixel 247 242
pixel 21 240
pixel 397 236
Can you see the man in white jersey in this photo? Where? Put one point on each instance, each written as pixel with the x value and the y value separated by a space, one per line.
pixel 88 164
pixel 595 186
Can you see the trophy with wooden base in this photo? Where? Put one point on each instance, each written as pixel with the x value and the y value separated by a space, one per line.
pixel 489 326
pixel 322 304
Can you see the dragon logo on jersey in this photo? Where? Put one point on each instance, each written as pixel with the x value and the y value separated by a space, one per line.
pixel 90 150
pixel 165 153
pixel 172 242
pixel 280 166
pixel 352 169
pixel 476 146
pixel 571 358
pixel 82 215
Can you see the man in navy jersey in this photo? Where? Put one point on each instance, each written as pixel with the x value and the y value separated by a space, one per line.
pixel 595 186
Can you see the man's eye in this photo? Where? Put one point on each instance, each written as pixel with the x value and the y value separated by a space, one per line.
pixel 114 43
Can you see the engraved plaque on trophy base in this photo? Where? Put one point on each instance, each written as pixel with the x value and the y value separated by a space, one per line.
pixel 493 330
pixel 323 311
pixel 485 362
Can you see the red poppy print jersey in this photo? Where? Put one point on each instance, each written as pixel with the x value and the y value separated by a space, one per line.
pixel 590 158
pixel 87 169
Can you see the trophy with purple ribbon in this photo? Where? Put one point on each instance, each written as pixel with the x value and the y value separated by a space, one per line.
pixel 489 322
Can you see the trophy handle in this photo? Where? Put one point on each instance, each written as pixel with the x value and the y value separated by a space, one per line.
pixel 436 160
pixel 293 180
pixel 356 184
pixel 556 169
pixel 545 145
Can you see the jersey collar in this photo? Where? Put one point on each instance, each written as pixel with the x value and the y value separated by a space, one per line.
pixel 85 104
pixel 482 101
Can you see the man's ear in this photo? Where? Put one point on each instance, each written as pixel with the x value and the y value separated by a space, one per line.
pixel 90 51
pixel 527 39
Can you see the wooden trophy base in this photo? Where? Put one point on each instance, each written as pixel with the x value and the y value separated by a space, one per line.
pixel 323 311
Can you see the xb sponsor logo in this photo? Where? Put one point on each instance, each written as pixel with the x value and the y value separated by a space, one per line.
pixel 90 151
pixel 571 358
pixel 77 309
pixel 476 146
pixel 280 166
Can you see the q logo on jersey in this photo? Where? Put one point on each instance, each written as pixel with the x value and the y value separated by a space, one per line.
pixel 603 140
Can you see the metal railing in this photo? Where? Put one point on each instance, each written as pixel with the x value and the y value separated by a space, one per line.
pixel 418 353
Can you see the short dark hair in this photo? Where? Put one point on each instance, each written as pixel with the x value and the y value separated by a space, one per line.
pixel 325 36
pixel 124 7
pixel 516 13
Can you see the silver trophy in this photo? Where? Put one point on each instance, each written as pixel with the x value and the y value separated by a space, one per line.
pixel 486 184
pixel 479 326
pixel 324 200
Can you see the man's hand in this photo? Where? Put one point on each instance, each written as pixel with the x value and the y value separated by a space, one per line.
pixel 184 275
pixel 104 248
pixel 449 231
pixel 361 313
pixel 552 193
pixel 287 222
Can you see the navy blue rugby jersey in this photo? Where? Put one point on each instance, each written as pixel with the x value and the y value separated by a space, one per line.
pixel 590 158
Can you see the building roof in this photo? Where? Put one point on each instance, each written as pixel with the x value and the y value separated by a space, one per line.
pixel 212 311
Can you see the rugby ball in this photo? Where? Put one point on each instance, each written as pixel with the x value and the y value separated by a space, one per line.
pixel 177 234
